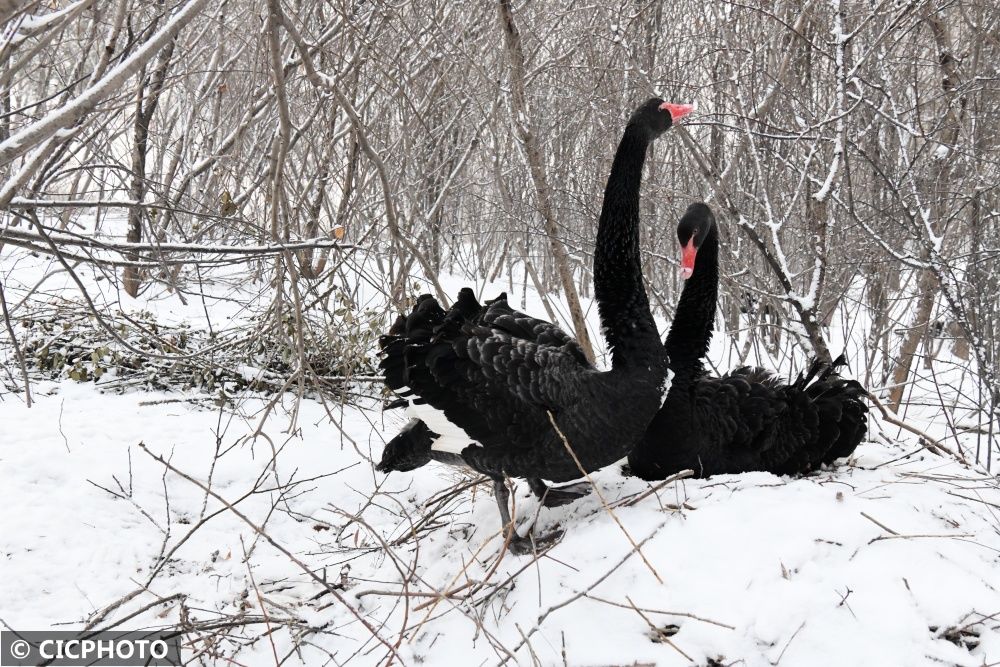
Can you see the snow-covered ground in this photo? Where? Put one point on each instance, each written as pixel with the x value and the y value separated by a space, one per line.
pixel 868 564
pixel 143 509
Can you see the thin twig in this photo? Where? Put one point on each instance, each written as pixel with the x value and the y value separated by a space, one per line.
pixel 663 611
pixel 657 632
pixel 600 496
pixel 789 643
pixel 879 524
pixel 584 593
pixel 926 440
pixel 260 601
pixel 907 537
pixel 629 502
pixel 288 554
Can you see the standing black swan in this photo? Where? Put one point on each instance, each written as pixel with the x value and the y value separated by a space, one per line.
pixel 484 381
pixel 748 419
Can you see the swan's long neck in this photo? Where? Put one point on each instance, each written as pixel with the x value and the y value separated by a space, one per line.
pixel 691 331
pixel 621 297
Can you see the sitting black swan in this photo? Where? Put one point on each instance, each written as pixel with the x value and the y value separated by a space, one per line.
pixel 748 419
pixel 484 381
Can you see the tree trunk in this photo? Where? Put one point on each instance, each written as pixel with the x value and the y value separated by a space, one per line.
pixel 927 288
pixel 145 107
pixel 536 162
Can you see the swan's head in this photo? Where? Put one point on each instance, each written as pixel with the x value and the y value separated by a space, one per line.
pixel 695 226
pixel 658 116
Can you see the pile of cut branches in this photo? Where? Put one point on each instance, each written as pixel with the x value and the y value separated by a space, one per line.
pixel 136 351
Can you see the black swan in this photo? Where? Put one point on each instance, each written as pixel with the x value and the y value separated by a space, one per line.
pixel 484 381
pixel 748 419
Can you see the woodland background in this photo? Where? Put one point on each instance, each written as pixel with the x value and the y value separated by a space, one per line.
pixel 210 211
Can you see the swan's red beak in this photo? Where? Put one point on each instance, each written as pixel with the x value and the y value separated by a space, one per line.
pixel 677 111
pixel 687 259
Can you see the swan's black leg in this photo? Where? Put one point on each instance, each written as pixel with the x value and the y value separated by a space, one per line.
pixel 557 496
pixel 518 545
pixel 502 495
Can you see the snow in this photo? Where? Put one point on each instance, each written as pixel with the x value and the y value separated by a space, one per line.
pixel 794 566
pixel 30 24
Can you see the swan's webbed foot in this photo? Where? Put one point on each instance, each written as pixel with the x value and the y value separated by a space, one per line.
pixel 530 544
pixel 557 496
pixel 518 545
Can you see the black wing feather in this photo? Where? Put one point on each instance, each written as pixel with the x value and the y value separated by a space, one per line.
pixel 750 420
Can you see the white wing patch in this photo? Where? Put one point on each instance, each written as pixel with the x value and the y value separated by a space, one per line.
pixel 665 388
pixel 452 439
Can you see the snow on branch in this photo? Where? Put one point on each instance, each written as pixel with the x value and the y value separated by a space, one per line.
pixel 68 115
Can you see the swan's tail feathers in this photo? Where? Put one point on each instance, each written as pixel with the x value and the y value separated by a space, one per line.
pixel 853 422
pixel 462 312
pixel 842 411
pixel 411 447
pixel 466 307
pixel 801 427
pixel 404 341
pixel 409 450
pixel 409 350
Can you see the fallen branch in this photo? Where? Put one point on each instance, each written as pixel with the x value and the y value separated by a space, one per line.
pixel 927 441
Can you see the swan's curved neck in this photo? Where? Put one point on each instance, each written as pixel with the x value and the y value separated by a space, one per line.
pixel 691 330
pixel 621 297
